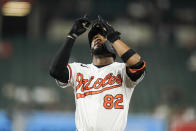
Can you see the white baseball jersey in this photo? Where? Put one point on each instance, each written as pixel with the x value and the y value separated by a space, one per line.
pixel 102 96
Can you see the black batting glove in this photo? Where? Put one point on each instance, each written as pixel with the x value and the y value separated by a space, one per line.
pixel 79 27
pixel 112 35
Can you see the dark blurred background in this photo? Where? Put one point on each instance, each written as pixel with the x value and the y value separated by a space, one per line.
pixel 163 32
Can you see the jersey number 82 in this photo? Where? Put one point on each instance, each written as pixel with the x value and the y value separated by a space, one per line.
pixel 115 102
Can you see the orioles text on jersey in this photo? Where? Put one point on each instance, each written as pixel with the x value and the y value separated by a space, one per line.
pixel 110 81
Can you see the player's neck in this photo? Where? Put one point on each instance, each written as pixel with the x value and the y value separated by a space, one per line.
pixel 100 60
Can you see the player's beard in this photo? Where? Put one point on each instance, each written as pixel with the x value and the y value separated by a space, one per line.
pixel 101 51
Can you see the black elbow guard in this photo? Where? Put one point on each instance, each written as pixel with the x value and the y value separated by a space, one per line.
pixel 135 72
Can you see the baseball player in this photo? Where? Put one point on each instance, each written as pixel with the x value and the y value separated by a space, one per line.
pixel 102 89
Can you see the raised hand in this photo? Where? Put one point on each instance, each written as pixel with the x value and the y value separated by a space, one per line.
pixel 80 26
pixel 112 35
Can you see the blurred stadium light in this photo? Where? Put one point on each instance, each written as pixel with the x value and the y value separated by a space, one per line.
pixel 14 17
pixel 16 8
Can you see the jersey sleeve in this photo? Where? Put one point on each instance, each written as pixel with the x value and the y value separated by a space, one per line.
pixel 72 68
pixel 126 79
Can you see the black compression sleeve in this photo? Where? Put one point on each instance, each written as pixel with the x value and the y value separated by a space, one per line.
pixel 58 67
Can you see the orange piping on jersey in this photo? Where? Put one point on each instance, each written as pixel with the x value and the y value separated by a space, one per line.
pixel 70 71
pixel 79 95
pixel 135 70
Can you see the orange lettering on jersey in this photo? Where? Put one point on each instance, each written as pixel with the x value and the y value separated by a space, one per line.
pixel 79 79
pixel 106 79
pixel 112 80
pixel 119 79
pixel 99 85
pixel 86 87
pixel 83 83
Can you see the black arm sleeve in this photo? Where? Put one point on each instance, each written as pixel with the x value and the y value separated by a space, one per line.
pixel 58 68
pixel 135 72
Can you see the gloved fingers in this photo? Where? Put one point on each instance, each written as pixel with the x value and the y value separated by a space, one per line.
pixel 85 21
pixel 108 26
